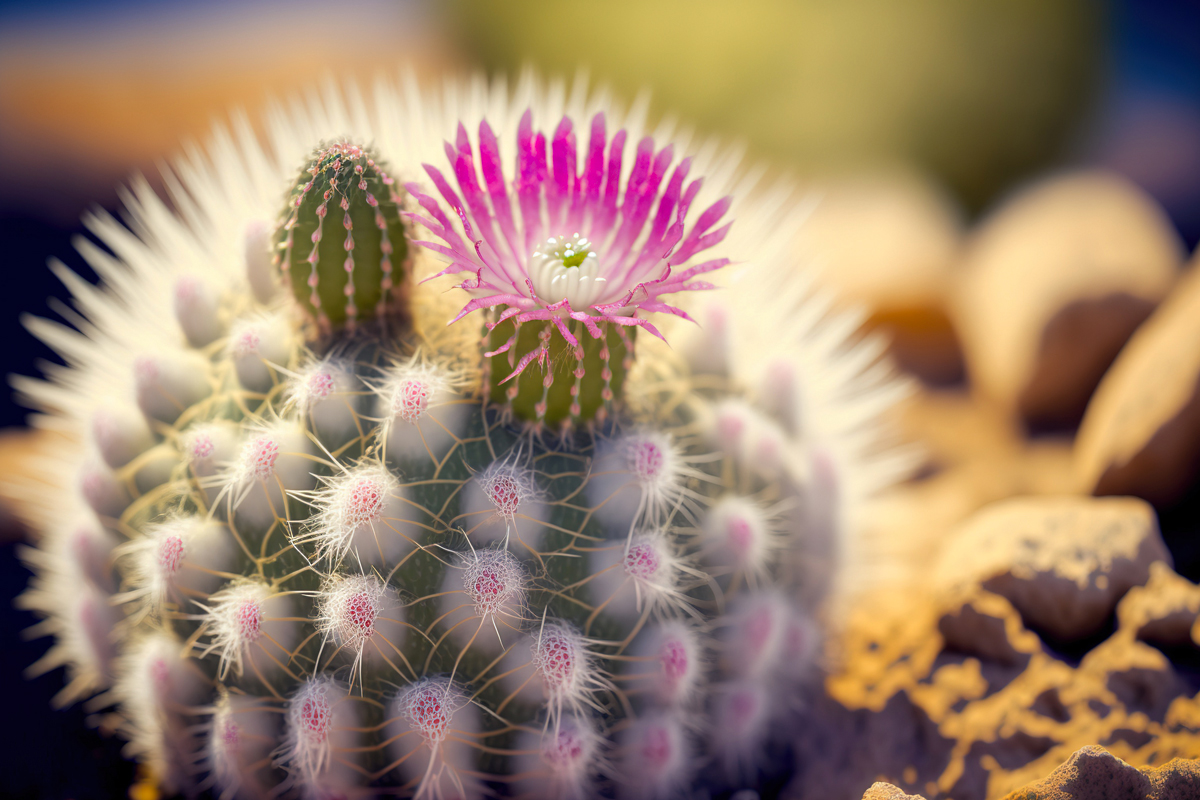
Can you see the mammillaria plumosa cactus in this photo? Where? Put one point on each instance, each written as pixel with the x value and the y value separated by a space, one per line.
pixel 329 523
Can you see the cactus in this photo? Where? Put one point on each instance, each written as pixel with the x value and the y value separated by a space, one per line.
pixel 512 548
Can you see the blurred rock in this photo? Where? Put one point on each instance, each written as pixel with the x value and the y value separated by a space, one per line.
pixel 885 791
pixel 1063 562
pixel 1093 773
pixel 1053 284
pixel 976 455
pixel 889 241
pixel 1141 433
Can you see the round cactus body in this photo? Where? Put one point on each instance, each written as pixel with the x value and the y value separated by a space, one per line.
pixel 332 562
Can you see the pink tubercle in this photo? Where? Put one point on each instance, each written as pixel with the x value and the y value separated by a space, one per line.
pixel 565 750
pixel 202 446
pixel 642 561
pixel 673 656
pixel 316 716
pixel 556 659
pixel 648 460
pixel 360 612
pixel 320 384
pixel 170 553
pixel 429 712
pixel 505 494
pixel 260 455
pixel 364 502
pixel 249 617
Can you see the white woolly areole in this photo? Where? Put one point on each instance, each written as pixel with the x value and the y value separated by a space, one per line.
pixel 167 383
pixel 207 445
pixel 359 513
pixel 197 309
pixel 421 411
pixel 178 559
pixel 259 347
pixel 363 618
pixel 644 572
pixel 637 479
pixel 348 607
pixel 101 489
pixel 270 460
pixel 120 433
pixel 483 599
pixel 319 720
pixel 741 715
pixel 242 733
pixel 429 706
pixel 325 391
pixel 653 757
pixel 669 664
pixel 431 734
pixel 567 672
pixel 506 488
pixel 736 533
pixel 494 581
pixel 155 686
pixel 502 502
pixel 754 634
pixel 245 626
pixel 561 763
pixel 83 550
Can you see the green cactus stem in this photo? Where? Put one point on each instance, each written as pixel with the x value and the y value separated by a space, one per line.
pixel 564 385
pixel 341 245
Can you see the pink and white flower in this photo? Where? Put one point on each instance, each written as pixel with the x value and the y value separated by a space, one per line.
pixel 563 245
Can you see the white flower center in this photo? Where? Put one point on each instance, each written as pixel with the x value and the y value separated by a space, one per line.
pixel 567 269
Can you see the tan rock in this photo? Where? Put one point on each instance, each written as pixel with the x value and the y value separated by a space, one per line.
pixel 886 791
pixel 1005 711
pixel 1141 433
pixel 1063 562
pixel 1053 284
pixel 888 241
pixel 1093 773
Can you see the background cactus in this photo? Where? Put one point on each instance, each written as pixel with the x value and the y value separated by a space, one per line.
pixel 358 563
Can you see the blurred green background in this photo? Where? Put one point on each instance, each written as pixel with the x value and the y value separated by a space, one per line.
pixel 974 92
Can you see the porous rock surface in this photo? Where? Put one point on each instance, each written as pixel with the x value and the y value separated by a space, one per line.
pixel 951 690
pixel 1093 773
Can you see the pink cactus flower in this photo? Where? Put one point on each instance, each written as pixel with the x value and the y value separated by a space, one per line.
pixel 562 245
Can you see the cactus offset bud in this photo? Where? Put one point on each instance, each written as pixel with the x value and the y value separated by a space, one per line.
pixel 341 245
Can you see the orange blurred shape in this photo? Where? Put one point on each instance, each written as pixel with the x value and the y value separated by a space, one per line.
pixel 87 102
